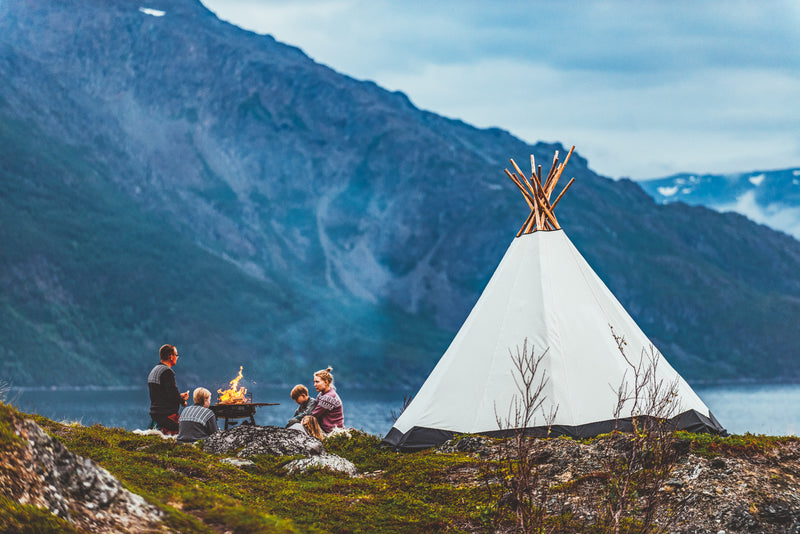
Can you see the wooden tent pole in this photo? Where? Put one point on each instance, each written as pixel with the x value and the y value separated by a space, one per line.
pixel 560 170
pixel 534 196
pixel 553 169
pixel 525 224
pixel 537 192
pixel 562 193
pixel 524 178
pixel 530 200
pixel 551 217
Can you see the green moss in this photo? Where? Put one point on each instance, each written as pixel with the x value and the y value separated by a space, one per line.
pixel 709 446
pixel 24 519
pixel 8 437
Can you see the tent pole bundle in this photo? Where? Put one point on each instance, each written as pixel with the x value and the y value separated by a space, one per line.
pixel 537 194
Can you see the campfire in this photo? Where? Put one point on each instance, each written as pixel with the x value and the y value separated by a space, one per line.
pixel 234 394
pixel 235 403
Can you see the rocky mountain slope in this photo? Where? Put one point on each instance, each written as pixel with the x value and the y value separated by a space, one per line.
pixel 176 179
pixel 771 198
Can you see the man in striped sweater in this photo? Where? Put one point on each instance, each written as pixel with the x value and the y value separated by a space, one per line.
pixel 165 399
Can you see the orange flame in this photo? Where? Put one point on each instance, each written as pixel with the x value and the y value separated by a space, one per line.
pixel 234 394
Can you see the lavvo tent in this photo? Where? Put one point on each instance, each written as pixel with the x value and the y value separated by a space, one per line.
pixel 596 368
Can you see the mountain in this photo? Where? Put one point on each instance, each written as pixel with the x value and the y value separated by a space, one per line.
pixel 771 198
pixel 175 179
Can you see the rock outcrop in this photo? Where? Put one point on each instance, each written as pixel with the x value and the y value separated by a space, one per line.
pixel 40 471
pixel 323 461
pixel 247 440
pixel 731 493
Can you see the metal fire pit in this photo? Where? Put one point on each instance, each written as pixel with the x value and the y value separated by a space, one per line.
pixel 234 412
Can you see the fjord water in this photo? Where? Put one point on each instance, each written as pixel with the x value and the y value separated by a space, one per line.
pixel 370 411
pixel 769 409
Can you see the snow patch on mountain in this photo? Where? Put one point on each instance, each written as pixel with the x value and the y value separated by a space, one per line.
pixel 667 191
pixel 152 12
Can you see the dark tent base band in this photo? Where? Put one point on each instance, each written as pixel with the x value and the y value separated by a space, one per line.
pixel 419 438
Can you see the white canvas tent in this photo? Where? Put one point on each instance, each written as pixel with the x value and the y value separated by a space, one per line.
pixel 544 294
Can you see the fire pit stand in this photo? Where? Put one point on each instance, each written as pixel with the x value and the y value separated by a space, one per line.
pixel 232 413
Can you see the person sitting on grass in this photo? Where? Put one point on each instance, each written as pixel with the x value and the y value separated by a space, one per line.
pixel 165 399
pixel 197 421
pixel 328 413
pixel 299 394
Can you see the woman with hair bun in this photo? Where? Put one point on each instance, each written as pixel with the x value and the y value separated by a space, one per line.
pixel 328 413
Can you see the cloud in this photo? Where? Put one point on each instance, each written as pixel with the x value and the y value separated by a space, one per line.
pixel 643 89
pixel 778 216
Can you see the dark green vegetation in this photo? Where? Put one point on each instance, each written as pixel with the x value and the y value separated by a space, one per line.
pixel 176 179
pixel 26 519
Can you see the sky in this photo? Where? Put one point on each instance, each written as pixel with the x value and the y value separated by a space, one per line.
pixel 643 89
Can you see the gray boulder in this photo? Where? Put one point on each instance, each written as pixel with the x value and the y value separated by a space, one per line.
pixel 248 440
pixel 237 462
pixel 323 461
pixel 72 487
pixel 473 444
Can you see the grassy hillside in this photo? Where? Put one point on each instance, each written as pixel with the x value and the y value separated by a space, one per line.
pixel 715 483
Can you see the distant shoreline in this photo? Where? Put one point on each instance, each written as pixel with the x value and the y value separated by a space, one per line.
pixel 694 384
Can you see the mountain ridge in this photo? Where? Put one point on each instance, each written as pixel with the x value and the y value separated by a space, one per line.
pixel 345 212
pixel 768 197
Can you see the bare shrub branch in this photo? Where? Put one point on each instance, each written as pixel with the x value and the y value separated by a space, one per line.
pixel 525 494
pixel 640 463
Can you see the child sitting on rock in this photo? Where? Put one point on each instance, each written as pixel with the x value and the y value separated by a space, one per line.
pixel 197 421
pixel 307 404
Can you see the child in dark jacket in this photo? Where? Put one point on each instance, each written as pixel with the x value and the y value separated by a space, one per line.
pixel 197 421
pixel 307 404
